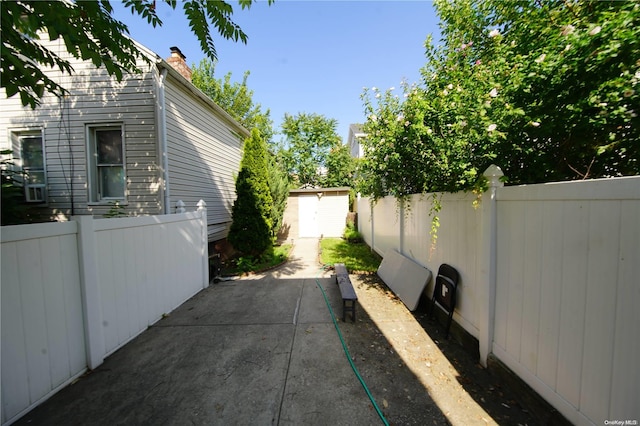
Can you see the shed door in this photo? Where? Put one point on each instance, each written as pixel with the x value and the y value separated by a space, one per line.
pixel 332 215
pixel 308 216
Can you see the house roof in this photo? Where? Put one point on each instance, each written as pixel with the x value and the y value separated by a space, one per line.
pixel 162 64
pixel 357 131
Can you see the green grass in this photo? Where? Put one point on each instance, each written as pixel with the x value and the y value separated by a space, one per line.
pixel 357 257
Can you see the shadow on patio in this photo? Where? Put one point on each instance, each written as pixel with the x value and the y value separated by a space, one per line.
pixel 405 360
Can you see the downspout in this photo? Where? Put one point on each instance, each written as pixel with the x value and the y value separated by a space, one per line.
pixel 162 140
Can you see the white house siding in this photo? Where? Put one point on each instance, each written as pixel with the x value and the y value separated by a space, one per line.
pixel 94 98
pixel 204 150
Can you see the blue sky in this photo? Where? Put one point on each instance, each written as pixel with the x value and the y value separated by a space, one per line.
pixel 308 56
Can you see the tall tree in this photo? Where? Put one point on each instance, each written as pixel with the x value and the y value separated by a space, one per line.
pixel 561 78
pixel 308 140
pixel 340 167
pixel 547 90
pixel 250 231
pixel 90 32
pixel 279 187
pixel 234 97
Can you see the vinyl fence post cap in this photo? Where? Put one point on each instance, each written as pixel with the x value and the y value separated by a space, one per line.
pixel 493 175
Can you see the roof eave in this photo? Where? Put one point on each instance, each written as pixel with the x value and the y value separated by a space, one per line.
pixel 162 64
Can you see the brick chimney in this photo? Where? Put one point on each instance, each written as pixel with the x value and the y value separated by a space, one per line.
pixel 178 62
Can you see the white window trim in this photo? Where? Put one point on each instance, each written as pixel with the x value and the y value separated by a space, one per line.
pixel 16 135
pixel 93 197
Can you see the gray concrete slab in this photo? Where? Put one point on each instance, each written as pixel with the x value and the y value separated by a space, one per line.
pixel 256 301
pixel 321 388
pixel 259 350
pixel 176 375
pixel 313 308
pixel 263 350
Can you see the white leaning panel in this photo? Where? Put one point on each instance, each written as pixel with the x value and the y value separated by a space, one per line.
pixel 405 278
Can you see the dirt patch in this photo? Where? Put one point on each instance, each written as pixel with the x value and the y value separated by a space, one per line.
pixel 415 375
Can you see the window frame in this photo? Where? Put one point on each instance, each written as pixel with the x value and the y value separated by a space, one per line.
pixel 17 146
pixel 94 181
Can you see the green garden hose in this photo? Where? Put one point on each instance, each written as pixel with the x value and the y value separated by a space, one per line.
pixel 346 351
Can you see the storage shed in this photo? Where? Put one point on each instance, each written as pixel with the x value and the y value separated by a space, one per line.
pixel 315 212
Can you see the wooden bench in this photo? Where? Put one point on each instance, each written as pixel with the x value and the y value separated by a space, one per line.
pixel 347 291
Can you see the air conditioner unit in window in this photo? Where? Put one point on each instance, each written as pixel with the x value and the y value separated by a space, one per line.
pixel 35 193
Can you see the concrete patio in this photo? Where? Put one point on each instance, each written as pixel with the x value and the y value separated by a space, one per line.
pixel 264 350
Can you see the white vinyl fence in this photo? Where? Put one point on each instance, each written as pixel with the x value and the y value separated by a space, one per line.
pixel 75 292
pixel 550 282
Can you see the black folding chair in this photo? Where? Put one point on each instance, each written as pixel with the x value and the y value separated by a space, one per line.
pixel 444 292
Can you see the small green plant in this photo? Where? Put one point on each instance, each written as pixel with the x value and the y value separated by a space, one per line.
pixel 351 234
pixel 274 256
pixel 267 256
pixel 116 210
pixel 280 254
pixel 436 206
pixel 246 264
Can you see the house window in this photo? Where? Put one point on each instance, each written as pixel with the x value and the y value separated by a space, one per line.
pixel 106 160
pixel 28 155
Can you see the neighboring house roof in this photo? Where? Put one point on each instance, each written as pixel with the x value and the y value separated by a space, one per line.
pixel 355 134
pixel 356 130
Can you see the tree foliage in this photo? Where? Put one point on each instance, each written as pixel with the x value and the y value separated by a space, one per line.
pixel 309 138
pixel 279 188
pixel 546 90
pixel 235 98
pixel 90 32
pixel 251 227
pixel 340 167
